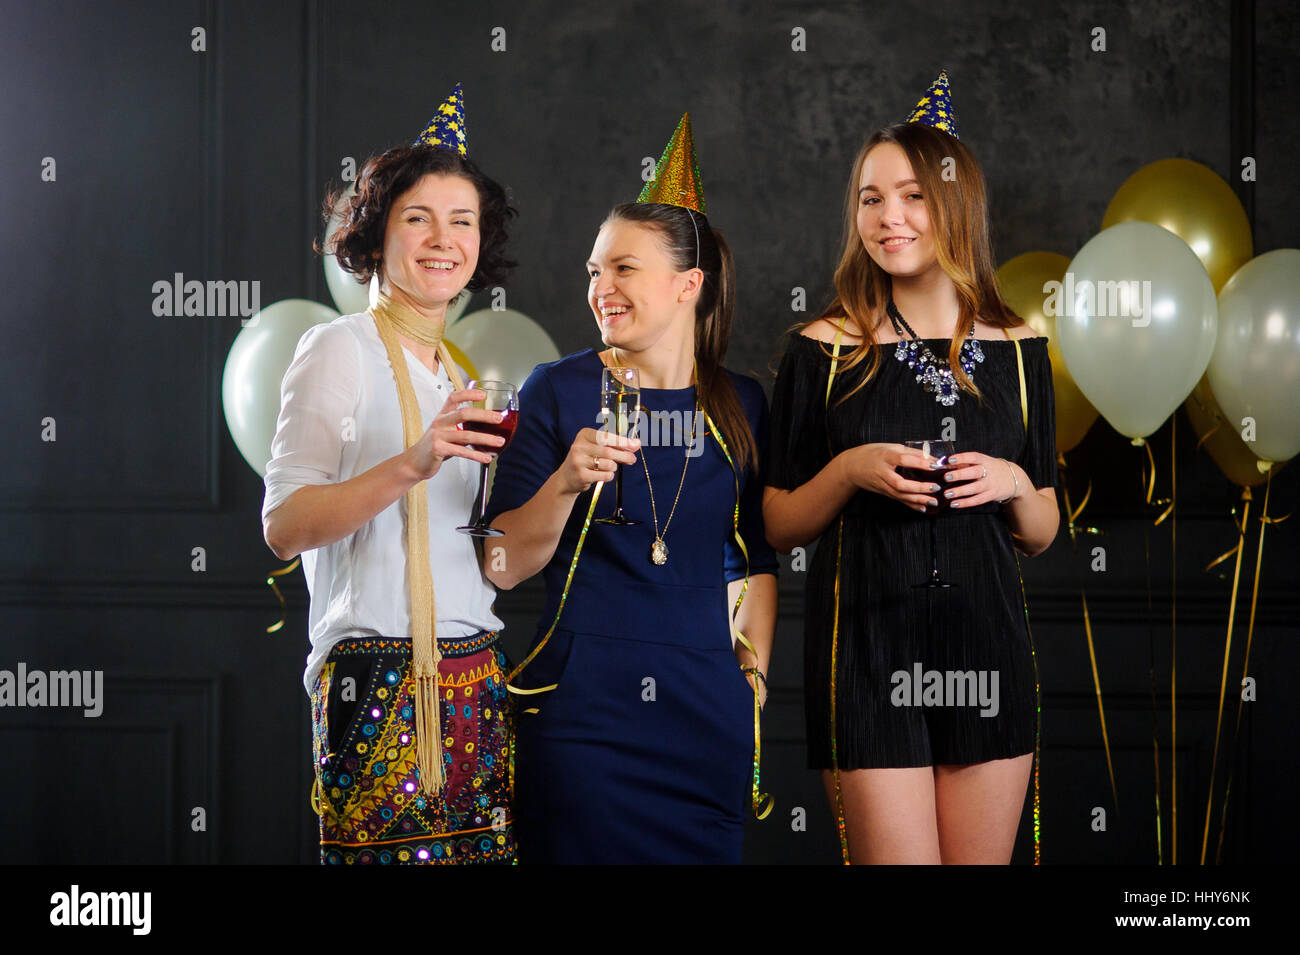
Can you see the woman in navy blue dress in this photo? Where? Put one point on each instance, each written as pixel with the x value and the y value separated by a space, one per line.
pixel 638 745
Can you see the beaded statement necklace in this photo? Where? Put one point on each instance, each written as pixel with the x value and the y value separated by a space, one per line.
pixel 934 376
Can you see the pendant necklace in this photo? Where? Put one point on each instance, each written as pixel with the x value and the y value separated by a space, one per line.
pixel 659 550
pixel 934 376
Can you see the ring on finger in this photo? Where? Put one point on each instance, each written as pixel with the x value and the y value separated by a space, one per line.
pixel 985 474
pixel 595 463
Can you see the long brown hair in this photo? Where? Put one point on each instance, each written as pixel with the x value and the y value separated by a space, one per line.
pixel 714 312
pixel 958 210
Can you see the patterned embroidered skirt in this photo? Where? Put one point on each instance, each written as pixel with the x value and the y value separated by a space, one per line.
pixel 370 807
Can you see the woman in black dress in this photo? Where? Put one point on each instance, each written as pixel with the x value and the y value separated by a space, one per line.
pixel 916 770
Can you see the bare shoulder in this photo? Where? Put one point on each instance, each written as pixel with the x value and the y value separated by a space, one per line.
pixel 825 329
pixel 995 332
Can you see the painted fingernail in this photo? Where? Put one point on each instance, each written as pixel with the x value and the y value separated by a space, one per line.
pixel 948 476
pixel 947 493
pixel 955 504
pixel 934 487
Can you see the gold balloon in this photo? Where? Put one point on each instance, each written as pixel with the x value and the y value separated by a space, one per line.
pixel 1230 453
pixel 1021 282
pixel 460 358
pixel 1195 204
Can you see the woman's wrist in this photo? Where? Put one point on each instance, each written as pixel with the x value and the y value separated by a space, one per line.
pixel 1015 492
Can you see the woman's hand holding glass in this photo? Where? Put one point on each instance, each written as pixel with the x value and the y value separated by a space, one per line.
pixel 988 479
pixel 873 467
pixel 592 457
pixel 444 438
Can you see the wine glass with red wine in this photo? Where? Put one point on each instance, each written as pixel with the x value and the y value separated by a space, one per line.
pixel 501 396
pixel 938 453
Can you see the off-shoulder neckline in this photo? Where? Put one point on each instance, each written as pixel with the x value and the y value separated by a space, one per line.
pixel 982 341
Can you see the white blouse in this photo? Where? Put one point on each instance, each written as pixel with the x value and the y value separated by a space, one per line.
pixel 339 417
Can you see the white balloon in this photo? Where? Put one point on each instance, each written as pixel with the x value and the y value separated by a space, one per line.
pixel 348 295
pixel 255 366
pixel 1136 324
pixel 504 346
pixel 1255 370
pixel 457 308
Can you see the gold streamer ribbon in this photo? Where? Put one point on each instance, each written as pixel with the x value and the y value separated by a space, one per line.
pixel 1173 635
pixel 761 802
pixel 1151 487
pixel 1264 520
pixel 1038 717
pixel 1150 484
pixel 270 582
pixel 1072 516
pixel 1227 651
pixel 840 824
pixel 564 596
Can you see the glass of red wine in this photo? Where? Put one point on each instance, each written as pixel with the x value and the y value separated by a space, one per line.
pixel 938 452
pixel 501 396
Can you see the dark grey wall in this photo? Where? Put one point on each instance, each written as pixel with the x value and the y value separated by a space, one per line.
pixel 213 164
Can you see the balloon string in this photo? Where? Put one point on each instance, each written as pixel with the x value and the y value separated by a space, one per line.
pixel 1073 515
pixel 1264 521
pixel 270 580
pixel 1240 524
pixel 1151 487
pixel 1227 651
pixel 1173 638
pixel 1205 437
pixel 1151 674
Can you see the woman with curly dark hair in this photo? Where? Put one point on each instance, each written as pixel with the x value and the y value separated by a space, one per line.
pixel 408 698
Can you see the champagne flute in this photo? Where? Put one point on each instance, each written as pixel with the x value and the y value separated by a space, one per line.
pixel 502 397
pixel 939 451
pixel 620 407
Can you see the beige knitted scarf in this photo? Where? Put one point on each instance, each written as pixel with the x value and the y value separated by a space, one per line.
pixel 392 318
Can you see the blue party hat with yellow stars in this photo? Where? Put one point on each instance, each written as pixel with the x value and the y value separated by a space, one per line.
pixel 447 128
pixel 935 107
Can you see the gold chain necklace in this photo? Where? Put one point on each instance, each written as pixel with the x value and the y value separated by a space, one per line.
pixel 659 549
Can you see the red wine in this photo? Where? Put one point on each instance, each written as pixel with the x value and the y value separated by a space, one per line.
pixel 935 476
pixel 503 429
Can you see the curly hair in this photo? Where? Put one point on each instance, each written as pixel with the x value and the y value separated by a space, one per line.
pixel 358 244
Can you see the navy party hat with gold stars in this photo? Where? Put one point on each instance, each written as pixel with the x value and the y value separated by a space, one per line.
pixel 447 128
pixel 935 107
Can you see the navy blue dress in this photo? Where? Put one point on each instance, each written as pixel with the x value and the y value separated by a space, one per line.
pixel 643 753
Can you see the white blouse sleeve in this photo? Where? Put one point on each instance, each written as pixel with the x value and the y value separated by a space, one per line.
pixel 320 390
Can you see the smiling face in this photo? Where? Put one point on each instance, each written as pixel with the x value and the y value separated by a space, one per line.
pixel 892 219
pixel 431 242
pixel 635 294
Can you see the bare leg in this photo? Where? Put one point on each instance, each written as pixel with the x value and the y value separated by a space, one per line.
pixel 889 814
pixel 978 809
